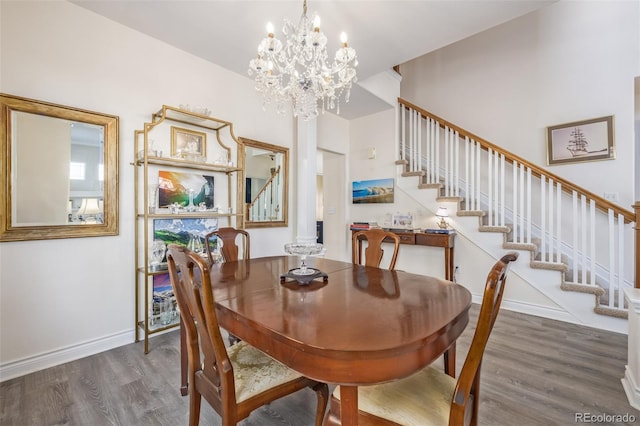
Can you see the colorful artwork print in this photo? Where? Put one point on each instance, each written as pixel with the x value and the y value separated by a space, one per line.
pixel 174 187
pixel 162 285
pixel 164 306
pixel 186 232
pixel 373 191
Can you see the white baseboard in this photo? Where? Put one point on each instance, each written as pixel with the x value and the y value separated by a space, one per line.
pixel 531 309
pixel 616 325
pixel 631 389
pixel 10 370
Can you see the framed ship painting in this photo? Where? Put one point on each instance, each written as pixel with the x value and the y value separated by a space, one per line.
pixel 372 191
pixel 586 140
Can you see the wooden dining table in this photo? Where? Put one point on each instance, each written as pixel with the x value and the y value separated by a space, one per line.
pixel 359 326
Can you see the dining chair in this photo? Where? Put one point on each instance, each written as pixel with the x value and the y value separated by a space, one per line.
pixel 230 238
pixel 431 397
pixel 235 380
pixel 373 252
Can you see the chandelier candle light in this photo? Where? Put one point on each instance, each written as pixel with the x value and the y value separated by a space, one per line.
pixel 298 70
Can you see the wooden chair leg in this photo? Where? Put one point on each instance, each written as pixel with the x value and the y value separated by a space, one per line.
pixel 322 393
pixel 195 400
pixel 184 362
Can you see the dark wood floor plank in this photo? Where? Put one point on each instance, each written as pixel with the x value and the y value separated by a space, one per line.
pixel 535 372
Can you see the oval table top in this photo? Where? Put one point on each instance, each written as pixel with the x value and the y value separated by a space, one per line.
pixel 361 326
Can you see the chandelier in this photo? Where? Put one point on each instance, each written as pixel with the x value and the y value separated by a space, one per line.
pixel 297 71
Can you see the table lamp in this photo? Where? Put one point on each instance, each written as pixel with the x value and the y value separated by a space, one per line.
pixel 442 216
pixel 89 210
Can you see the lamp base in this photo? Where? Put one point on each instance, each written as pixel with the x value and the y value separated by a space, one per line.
pixel 442 224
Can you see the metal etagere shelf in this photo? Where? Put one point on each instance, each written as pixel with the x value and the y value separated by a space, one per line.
pixel 155 149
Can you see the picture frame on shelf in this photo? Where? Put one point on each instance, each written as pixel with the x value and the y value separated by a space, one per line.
pixel 402 221
pixel 579 141
pixel 188 142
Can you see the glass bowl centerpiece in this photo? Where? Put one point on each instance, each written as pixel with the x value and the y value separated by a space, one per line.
pixel 303 250
pixel 304 274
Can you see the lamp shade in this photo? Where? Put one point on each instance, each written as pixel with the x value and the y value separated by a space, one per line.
pixel 89 206
pixel 442 212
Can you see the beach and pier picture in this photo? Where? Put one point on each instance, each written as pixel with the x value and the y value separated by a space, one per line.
pixel 373 191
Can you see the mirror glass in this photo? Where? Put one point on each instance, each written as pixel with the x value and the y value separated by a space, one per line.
pixel 61 171
pixel 265 183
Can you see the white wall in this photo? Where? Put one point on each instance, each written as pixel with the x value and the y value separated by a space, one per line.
pixel 566 62
pixel 61 299
pixel 377 131
pixel 570 61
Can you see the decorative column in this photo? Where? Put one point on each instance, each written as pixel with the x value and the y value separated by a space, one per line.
pixel 631 380
pixel 307 143
pixel 636 207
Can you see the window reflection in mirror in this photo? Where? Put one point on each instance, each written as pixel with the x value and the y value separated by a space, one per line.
pixel 44 191
pixel 61 164
pixel 265 183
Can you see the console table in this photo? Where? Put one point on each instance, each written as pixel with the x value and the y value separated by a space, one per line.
pixel 446 241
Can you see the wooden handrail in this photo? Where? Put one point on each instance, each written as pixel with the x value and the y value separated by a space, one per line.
pixel 601 203
pixel 264 188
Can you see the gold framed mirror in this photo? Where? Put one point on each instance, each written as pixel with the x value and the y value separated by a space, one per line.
pixel 265 183
pixel 59 171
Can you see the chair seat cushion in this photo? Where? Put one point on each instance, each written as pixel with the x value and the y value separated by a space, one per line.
pixel 421 399
pixel 254 371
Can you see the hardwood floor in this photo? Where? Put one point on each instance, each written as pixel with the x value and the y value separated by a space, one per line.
pixel 535 372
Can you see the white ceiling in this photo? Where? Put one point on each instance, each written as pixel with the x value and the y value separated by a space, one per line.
pixel 384 33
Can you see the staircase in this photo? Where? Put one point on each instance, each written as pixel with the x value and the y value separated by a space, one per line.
pixel 580 246
pixel 265 205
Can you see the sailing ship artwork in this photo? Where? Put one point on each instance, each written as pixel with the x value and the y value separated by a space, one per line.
pixel 580 141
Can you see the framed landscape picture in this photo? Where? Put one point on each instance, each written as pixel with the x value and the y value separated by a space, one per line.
pixel 185 232
pixel 372 191
pixel 586 140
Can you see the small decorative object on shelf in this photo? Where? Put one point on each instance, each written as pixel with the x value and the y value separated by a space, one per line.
pixel 195 243
pixel 166 312
pixel 197 109
pixel 304 274
pixel 191 207
pixel 156 255
pixel 153 197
